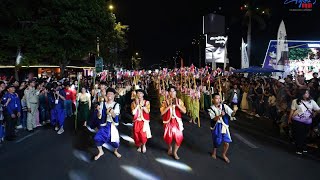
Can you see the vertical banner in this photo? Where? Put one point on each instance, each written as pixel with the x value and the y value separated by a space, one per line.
pixel 244 56
pixel 226 60
pixel 282 49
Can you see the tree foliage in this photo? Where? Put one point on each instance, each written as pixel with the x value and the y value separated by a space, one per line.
pixel 56 31
pixel 298 53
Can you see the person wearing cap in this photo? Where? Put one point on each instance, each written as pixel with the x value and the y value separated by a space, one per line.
pixel 171 112
pixel 141 129
pixel 12 111
pixel 32 99
pixel 108 132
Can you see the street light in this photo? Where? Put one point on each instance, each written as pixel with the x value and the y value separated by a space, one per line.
pixel 137 54
pixel 111 7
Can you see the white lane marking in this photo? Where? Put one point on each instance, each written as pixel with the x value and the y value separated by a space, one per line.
pixel 247 142
pixel 24 138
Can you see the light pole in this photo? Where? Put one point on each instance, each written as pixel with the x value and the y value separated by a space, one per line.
pixel 98 47
pixel 111 7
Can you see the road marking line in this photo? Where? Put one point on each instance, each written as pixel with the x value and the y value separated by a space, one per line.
pixel 245 140
pixel 24 138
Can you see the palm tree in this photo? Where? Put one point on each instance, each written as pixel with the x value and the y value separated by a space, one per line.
pixel 252 14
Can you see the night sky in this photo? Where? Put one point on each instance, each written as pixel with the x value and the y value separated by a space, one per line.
pixel 159 28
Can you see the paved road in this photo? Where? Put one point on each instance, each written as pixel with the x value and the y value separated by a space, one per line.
pixel 46 155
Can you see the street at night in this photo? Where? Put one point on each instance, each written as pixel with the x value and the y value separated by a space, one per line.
pixel 157 90
pixel 44 154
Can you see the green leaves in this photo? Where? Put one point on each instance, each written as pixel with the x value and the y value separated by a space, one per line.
pixel 299 53
pixel 57 30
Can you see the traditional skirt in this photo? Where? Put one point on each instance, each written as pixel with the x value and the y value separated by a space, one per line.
pixel 244 102
pixel 188 103
pixel 195 109
pixel 202 101
pixel 104 136
pixel 83 112
pixel 218 137
pixel 172 132
pixel 139 136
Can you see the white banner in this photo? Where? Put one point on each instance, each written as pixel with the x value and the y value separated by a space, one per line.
pixel 244 56
pixel 282 49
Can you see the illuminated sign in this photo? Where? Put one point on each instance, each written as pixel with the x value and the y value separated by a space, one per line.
pixel 301 5
pixel 314 45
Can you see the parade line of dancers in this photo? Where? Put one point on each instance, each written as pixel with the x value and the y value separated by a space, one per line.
pixel 107 112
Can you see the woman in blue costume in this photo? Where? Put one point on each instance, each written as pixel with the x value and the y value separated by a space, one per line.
pixel 220 115
pixel 108 132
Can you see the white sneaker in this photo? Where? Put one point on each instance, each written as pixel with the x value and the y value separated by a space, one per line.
pixel 48 121
pixel 60 131
pixel 56 128
pixel 257 115
pixel 39 125
pixel 19 127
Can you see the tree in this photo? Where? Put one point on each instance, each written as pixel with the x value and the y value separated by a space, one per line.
pixel 15 20
pixel 299 53
pixel 58 30
pixel 252 15
pixel 116 44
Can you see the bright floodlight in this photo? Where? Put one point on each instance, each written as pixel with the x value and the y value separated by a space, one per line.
pixel 139 173
pixel 174 164
pixel 127 138
pixel 110 7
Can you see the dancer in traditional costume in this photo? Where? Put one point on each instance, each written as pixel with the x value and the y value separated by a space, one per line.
pixel 108 132
pixel 220 114
pixel 84 101
pixel 141 129
pixel 171 112
pixel 202 91
pixel 195 110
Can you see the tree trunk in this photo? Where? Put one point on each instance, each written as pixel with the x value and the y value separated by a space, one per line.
pixel 249 37
pixel 16 73
pixel 62 69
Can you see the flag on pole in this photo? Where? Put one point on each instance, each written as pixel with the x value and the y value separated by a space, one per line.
pixel 244 56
